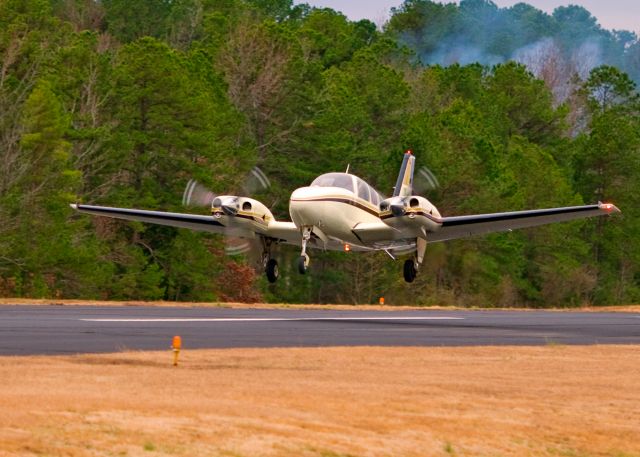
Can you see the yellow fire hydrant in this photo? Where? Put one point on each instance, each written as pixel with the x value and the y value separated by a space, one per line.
pixel 176 345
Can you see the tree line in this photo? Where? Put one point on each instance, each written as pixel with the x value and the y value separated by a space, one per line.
pixel 122 103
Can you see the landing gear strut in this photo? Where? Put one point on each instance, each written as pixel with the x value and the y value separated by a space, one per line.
pixel 270 265
pixel 303 260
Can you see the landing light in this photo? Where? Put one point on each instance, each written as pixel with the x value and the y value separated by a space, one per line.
pixel 347 247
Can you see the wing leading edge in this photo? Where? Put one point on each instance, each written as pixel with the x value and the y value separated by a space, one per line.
pixel 465 226
pixel 189 221
pixel 285 232
pixel 451 228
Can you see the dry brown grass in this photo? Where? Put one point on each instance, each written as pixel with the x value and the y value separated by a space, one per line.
pixel 330 402
pixel 46 301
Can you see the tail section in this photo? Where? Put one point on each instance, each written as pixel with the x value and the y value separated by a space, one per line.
pixel 404 184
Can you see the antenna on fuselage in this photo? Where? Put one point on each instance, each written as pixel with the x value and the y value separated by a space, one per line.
pixel 348 165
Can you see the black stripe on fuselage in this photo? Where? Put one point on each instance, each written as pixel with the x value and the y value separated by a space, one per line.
pixel 340 200
pixel 150 215
pixel 466 220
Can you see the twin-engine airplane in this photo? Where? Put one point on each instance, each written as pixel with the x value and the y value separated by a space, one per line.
pixel 339 211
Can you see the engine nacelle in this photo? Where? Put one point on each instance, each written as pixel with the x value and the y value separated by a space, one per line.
pixel 412 205
pixel 412 211
pixel 234 206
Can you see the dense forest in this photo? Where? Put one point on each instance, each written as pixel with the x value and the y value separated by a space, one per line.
pixel 121 103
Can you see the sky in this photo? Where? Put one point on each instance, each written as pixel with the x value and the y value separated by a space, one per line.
pixel 611 14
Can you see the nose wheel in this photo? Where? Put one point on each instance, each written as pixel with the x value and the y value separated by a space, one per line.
pixel 303 264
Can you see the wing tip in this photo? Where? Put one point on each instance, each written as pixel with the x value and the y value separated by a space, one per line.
pixel 609 208
pixel 74 206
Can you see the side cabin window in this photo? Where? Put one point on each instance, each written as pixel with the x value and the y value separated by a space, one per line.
pixel 375 197
pixel 366 192
pixel 363 190
pixel 342 180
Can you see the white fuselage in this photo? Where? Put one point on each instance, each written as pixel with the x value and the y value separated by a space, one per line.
pixel 334 212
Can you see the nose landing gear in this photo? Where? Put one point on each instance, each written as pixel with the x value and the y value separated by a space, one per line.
pixel 303 264
pixel 303 260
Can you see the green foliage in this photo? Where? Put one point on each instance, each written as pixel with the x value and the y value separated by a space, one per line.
pixel 329 38
pixel 522 105
pixel 128 21
pixel 606 162
pixel 121 103
pixel 608 88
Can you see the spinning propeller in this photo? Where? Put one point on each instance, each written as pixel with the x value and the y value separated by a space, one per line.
pixel 198 195
pixel 424 181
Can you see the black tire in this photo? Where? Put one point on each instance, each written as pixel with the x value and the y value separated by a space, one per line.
pixel 409 270
pixel 272 270
pixel 302 267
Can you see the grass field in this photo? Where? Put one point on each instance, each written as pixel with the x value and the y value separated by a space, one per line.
pixel 329 402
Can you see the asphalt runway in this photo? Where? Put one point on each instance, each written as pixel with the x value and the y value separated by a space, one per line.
pixel 83 329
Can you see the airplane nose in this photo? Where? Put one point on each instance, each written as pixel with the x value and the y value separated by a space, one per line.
pixel 309 205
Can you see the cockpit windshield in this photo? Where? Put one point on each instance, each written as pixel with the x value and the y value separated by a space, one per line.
pixel 350 183
pixel 334 180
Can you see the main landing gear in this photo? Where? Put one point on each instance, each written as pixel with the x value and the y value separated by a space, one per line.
pixel 411 265
pixel 271 269
pixel 410 270
pixel 303 260
pixel 270 265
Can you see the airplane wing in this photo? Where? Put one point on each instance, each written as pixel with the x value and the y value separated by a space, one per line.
pixel 466 226
pixel 244 227
pixel 190 221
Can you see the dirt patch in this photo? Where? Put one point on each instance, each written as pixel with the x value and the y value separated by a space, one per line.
pixel 328 402
pixel 41 301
